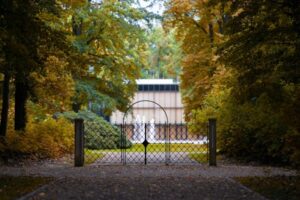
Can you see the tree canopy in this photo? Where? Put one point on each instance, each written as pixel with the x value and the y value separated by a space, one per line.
pixel 241 65
pixel 63 53
pixel 200 28
pixel 163 54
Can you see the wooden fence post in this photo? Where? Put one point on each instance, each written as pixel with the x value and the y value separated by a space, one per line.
pixel 79 143
pixel 212 137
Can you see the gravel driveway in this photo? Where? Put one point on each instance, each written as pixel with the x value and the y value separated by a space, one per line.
pixel 142 188
pixel 143 182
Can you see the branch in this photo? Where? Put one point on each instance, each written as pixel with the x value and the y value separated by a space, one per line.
pixel 198 25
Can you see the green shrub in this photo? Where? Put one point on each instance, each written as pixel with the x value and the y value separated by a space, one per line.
pixel 99 134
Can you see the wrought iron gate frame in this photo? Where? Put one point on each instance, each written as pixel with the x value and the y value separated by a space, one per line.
pixel 166 132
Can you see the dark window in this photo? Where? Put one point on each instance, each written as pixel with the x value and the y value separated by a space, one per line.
pixel 140 88
pixel 151 87
pixel 173 87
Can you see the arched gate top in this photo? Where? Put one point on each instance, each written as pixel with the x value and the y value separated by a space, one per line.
pixel 131 106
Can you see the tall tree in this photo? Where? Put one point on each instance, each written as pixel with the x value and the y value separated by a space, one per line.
pixel 5 84
pixel 199 24
pixel 259 52
pixel 164 54
pixel 263 46
pixel 29 40
pixel 5 104
pixel 109 35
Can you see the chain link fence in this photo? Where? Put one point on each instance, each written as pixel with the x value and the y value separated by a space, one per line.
pixel 146 143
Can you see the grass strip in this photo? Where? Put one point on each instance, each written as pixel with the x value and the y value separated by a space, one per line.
pixel 92 155
pixel 160 147
pixel 199 157
pixel 12 187
pixel 274 188
pixel 196 152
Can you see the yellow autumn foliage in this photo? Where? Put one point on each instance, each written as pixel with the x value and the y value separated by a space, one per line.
pixel 49 138
pixel 54 87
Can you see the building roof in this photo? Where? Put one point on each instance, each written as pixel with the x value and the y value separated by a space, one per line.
pixel 156 82
pixel 157 85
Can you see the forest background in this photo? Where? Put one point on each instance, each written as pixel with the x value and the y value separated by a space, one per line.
pixel 237 61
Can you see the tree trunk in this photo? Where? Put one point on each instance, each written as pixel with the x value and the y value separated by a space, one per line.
pixel 76 107
pixel 211 34
pixel 21 96
pixel 77 28
pixel 220 24
pixel 5 105
pixel 221 21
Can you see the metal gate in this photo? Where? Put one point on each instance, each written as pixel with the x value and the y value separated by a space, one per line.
pixel 145 124
pixel 146 137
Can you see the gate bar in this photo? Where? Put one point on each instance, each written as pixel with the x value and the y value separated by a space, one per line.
pixel 79 143
pixel 145 146
pixel 212 134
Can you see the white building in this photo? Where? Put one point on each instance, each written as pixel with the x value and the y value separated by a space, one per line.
pixel 164 92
